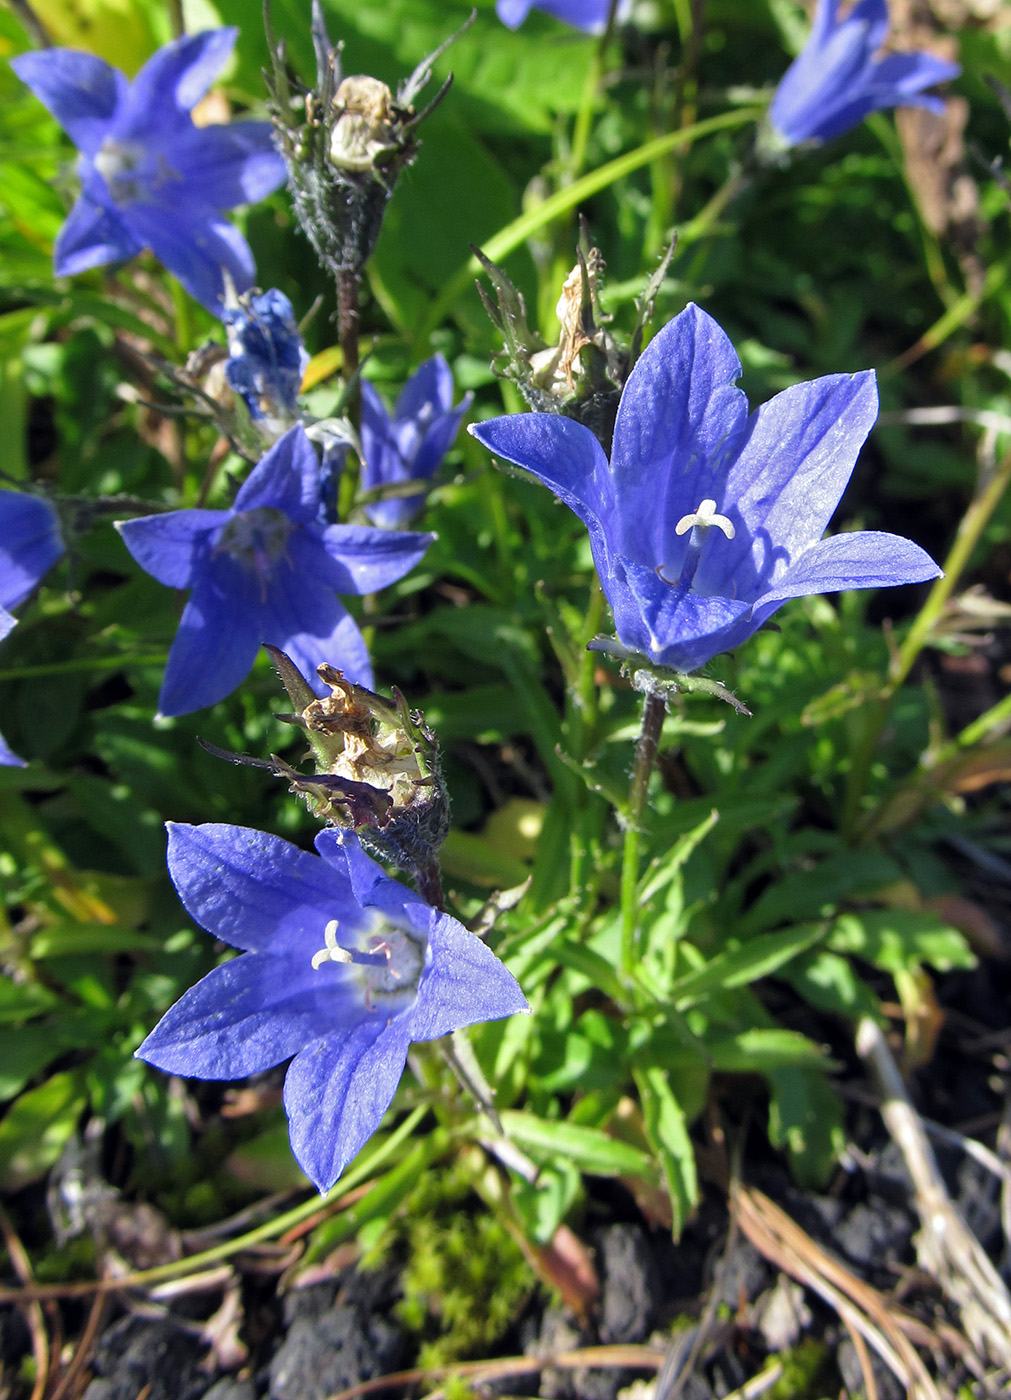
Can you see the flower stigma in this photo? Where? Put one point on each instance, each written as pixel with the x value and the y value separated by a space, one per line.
pixel 700 522
pixel 703 518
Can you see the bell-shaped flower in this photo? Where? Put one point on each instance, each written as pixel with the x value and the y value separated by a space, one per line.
pixel 30 544
pixel 266 358
pixel 341 967
pixel 707 519
pixel 409 446
pixel 150 177
pixel 839 76
pixel 588 15
pixel 266 571
pixel 7 758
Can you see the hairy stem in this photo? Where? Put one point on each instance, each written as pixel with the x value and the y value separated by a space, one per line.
pixel 646 748
pixel 347 334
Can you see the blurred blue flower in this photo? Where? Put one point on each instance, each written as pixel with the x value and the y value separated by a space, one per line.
pixel 266 357
pixel 150 177
pixel 30 544
pixel 265 571
pixel 7 758
pixel 837 80
pixel 342 967
pixel 589 15
pixel 410 445
pixel 706 519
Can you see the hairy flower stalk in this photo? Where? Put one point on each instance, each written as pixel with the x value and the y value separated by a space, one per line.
pixel 344 142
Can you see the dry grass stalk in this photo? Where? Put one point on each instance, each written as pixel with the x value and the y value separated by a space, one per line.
pixel 945 1246
pixel 865 1313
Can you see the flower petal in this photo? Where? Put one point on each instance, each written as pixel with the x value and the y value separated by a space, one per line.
pixel 195 244
pixel 364 559
pixel 430 385
pixel 678 420
pixel 862 559
pixel 92 236
pixel 794 464
pixel 229 164
pixel 30 544
pixel 247 1016
pixel 463 982
pixel 257 892
pixel 8 758
pixel 81 91
pixel 337 1090
pixel 217 641
pixel 563 455
pixel 172 81
pixel 304 618
pixel 286 477
pixel 174 546
pixel 676 626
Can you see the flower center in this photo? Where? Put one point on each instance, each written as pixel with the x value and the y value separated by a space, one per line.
pixel 386 959
pixel 699 522
pixel 119 163
pixel 257 539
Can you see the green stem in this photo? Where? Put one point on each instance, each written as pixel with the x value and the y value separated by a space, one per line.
pixel 515 234
pixel 970 530
pixel 646 748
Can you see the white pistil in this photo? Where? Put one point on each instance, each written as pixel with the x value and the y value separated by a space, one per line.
pixel 704 517
pixel 333 952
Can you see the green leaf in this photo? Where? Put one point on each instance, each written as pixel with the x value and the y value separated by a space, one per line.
pixel 897 940
pixel 542 1205
pixel 746 963
pixel 21 1000
pixel 587 1148
pixel 24 1050
pixel 668 1133
pixel 761 1049
pixel 805 1118
pixel 37 1128
pixel 829 983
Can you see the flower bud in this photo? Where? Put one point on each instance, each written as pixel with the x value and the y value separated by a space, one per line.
pixel 344 157
pixel 581 376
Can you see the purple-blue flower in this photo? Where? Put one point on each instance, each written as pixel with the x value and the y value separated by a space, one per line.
pixel 266 357
pixel 265 571
pixel 151 178
pixel 342 967
pixel 8 759
pixel 30 544
pixel 410 445
pixel 837 78
pixel 707 519
pixel 588 15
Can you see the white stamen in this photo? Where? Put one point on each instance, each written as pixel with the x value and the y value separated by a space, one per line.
pixel 333 952
pixel 704 517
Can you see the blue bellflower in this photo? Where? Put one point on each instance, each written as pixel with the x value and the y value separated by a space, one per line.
pixel 410 445
pixel 150 177
pixel 267 359
pixel 837 78
pixel 7 758
pixel 30 544
pixel 588 15
pixel 341 967
pixel 265 571
pixel 707 519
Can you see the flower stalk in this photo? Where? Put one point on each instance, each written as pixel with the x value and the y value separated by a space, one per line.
pixel 647 747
